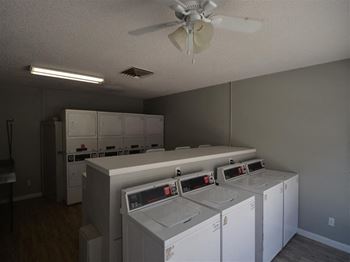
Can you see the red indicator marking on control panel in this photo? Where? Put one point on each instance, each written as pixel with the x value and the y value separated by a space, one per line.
pixel 167 191
pixel 206 179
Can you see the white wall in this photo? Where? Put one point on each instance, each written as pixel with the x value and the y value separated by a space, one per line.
pixel 29 106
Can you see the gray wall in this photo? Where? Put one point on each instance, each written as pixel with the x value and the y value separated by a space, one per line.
pixel 297 120
pixel 195 117
pixel 28 106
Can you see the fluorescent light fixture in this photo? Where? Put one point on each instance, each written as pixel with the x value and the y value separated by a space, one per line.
pixel 65 75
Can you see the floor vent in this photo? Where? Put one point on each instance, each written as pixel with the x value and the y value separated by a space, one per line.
pixel 136 72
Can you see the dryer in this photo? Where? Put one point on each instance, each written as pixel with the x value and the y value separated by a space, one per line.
pixel 290 194
pixel 268 207
pixel 159 225
pixel 237 209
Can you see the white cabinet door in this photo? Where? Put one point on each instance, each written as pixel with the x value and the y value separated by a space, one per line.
pixel 133 125
pixel 81 123
pixel 74 173
pixel 110 124
pixel 154 125
pixel 272 222
pixel 291 200
pixel 74 195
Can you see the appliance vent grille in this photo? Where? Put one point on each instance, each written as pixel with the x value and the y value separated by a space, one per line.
pixel 135 72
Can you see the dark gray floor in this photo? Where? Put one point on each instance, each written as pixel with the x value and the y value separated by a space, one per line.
pixel 306 250
pixel 47 231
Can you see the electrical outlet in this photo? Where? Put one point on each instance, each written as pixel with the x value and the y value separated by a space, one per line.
pixel 177 171
pixel 331 221
pixel 29 183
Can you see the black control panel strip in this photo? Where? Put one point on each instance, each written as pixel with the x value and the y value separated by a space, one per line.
pixel 196 183
pixel 255 166
pixel 152 195
pixel 235 172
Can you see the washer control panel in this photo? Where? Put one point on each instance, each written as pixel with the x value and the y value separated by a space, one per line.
pixel 196 181
pixel 255 165
pixel 235 171
pixel 151 195
pixel 80 157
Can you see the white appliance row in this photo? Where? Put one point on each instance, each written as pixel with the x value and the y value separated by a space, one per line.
pixel 276 204
pixel 103 132
pixel 89 134
pixel 256 167
pixel 191 218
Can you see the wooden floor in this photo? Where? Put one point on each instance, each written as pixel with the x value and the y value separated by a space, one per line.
pixel 47 231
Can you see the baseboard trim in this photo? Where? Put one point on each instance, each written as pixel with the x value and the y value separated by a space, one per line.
pixel 324 240
pixel 23 197
pixel 28 196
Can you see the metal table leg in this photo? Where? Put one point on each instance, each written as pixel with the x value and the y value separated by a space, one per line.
pixel 11 205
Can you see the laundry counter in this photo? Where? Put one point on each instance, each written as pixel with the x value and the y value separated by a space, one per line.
pixel 108 175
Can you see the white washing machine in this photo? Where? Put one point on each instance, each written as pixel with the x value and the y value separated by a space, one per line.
pixel 159 225
pixel 237 209
pixel 290 194
pixel 268 207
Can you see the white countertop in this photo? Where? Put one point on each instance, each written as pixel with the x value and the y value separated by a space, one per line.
pixel 116 165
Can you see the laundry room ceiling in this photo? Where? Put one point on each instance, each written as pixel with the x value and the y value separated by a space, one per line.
pixel 91 36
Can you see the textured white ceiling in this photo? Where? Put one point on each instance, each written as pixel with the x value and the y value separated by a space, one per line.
pixel 90 36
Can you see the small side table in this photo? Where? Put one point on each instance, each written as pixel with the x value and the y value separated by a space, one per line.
pixel 8 176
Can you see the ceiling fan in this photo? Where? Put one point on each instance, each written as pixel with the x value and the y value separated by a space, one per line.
pixel 196 23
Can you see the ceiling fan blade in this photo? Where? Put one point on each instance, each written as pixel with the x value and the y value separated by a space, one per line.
pixel 236 24
pixel 153 28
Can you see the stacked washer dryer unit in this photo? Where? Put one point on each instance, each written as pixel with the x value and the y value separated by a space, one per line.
pixel 159 225
pixel 134 130
pixel 154 130
pixel 237 209
pixel 290 181
pixel 110 134
pixel 268 207
pixel 80 143
pixel 142 132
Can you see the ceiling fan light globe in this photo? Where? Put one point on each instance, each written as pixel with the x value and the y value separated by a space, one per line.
pixel 203 34
pixel 178 38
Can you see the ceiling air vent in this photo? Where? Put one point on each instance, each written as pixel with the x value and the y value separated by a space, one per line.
pixel 136 72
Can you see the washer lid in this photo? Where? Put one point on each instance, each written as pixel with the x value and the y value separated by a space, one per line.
pixel 218 195
pixel 220 198
pixel 171 213
pixel 255 183
pixel 276 174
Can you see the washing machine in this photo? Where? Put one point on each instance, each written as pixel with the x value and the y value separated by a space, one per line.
pixel 290 194
pixel 159 225
pixel 268 207
pixel 237 209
